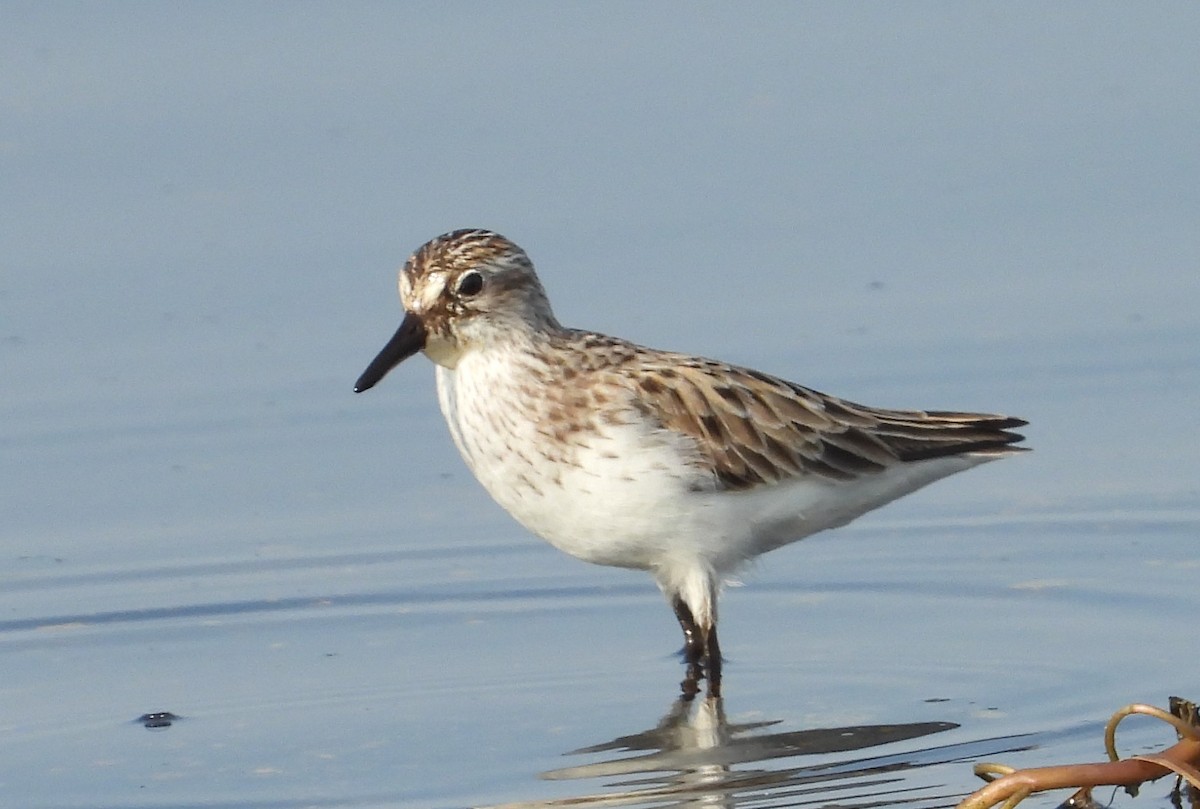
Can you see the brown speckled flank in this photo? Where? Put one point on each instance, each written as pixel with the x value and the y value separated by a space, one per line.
pixel 625 455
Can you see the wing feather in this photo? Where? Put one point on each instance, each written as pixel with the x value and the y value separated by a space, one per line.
pixel 751 429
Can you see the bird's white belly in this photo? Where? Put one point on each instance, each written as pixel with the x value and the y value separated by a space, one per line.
pixel 627 495
pixel 618 495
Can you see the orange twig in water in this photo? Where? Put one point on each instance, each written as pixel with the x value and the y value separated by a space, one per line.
pixel 1015 785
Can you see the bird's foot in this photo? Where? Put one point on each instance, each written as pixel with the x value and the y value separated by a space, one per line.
pixel 702 669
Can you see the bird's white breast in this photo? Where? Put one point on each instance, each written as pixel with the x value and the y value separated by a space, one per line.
pixel 629 493
pixel 616 494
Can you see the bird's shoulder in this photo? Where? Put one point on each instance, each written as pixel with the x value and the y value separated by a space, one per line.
pixel 748 428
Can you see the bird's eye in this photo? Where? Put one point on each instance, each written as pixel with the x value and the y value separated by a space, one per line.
pixel 470 284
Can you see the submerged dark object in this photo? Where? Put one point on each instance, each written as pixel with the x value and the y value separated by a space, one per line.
pixel 158 719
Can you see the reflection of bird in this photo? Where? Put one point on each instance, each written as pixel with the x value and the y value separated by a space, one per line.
pixel 624 455
pixel 695 757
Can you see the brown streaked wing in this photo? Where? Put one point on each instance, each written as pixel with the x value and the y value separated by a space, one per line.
pixel 753 429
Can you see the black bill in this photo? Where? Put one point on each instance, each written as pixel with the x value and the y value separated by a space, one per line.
pixel 408 340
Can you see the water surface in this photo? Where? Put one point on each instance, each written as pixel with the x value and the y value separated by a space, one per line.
pixel 990 207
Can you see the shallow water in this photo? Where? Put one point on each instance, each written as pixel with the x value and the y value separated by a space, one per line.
pixel 200 518
pixel 415 653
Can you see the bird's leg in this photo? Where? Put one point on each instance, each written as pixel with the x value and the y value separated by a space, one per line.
pixel 712 662
pixel 693 648
pixel 693 640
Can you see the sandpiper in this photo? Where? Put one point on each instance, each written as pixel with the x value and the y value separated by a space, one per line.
pixel 629 456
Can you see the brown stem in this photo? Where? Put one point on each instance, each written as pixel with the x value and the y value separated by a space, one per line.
pixel 1127 772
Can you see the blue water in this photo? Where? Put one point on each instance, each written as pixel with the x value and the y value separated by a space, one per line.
pixel 987 207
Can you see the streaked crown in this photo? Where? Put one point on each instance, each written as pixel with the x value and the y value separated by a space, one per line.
pixel 473 285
